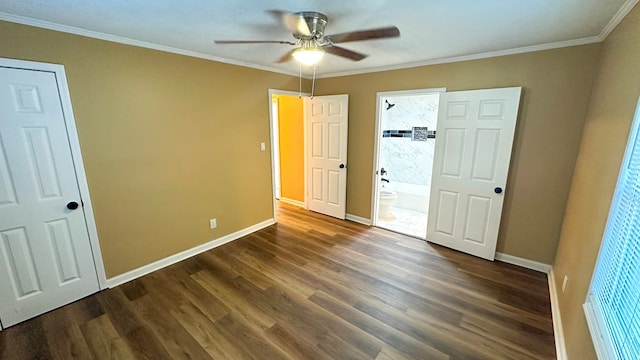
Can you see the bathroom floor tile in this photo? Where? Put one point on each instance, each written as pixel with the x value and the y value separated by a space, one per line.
pixel 408 222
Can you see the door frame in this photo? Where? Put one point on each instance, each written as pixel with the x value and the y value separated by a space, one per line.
pixel 275 147
pixel 76 154
pixel 380 96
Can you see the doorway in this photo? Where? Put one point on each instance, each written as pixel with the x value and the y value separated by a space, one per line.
pixel 405 144
pixel 309 151
pixel 286 114
pixel 288 148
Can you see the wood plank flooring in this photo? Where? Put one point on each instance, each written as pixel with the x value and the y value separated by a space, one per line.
pixel 310 287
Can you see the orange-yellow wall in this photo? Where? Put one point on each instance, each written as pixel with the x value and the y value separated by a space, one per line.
pixel 291 123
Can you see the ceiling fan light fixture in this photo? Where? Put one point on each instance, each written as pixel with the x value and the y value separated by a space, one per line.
pixel 308 56
pixel 307 27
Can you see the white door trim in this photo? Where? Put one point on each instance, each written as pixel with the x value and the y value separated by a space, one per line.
pixel 74 144
pixel 272 138
pixel 378 135
pixel 275 148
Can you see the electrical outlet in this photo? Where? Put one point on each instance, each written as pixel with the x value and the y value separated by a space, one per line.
pixel 564 283
pixel 213 223
pixel 263 146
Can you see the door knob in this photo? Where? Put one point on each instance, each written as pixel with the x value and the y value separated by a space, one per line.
pixel 498 190
pixel 342 166
pixel 72 205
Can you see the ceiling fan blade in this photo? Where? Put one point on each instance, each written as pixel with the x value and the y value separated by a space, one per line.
pixel 345 53
pixel 295 23
pixel 224 42
pixel 286 57
pixel 379 33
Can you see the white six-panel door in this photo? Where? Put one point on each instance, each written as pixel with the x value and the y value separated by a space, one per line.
pixel 326 127
pixel 471 163
pixel 46 259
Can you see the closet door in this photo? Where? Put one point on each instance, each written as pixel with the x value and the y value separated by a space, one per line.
pixel 46 259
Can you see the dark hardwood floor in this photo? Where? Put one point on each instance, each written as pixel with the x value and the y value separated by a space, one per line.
pixel 310 287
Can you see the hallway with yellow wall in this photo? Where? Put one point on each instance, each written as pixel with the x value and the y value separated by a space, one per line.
pixel 291 134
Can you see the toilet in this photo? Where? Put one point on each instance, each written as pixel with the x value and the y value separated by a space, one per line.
pixel 387 197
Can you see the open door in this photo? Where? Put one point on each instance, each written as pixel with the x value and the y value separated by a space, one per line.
pixel 326 120
pixel 471 163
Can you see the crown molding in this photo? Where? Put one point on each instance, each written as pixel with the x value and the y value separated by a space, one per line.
pixel 514 51
pixel 127 41
pixel 617 18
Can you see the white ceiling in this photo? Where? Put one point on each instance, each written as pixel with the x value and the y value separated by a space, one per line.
pixel 432 31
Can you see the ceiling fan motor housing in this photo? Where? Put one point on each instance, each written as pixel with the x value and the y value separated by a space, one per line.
pixel 316 23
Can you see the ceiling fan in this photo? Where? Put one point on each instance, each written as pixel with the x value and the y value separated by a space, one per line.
pixel 311 44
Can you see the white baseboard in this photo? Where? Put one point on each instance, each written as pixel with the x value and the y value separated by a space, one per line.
pixel 170 260
pixel 293 202
pixel 358 219
pixel 525 263
pixel 558 333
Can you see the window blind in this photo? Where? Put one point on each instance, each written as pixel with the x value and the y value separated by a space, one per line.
pixel 613 303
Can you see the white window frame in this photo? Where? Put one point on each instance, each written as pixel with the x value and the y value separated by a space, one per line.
pixel 603 342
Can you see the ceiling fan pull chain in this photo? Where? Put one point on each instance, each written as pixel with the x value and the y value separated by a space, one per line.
pixel 313 81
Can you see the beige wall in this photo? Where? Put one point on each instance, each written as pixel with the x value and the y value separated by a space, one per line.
pixel 609 118
pixel 168 141
pixel 556 84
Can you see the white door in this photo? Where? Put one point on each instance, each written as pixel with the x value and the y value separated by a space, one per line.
pixel 45 254
pixel 471 162
pixel 326 128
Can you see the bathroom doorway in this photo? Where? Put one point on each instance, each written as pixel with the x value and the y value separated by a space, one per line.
pixel 405 142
